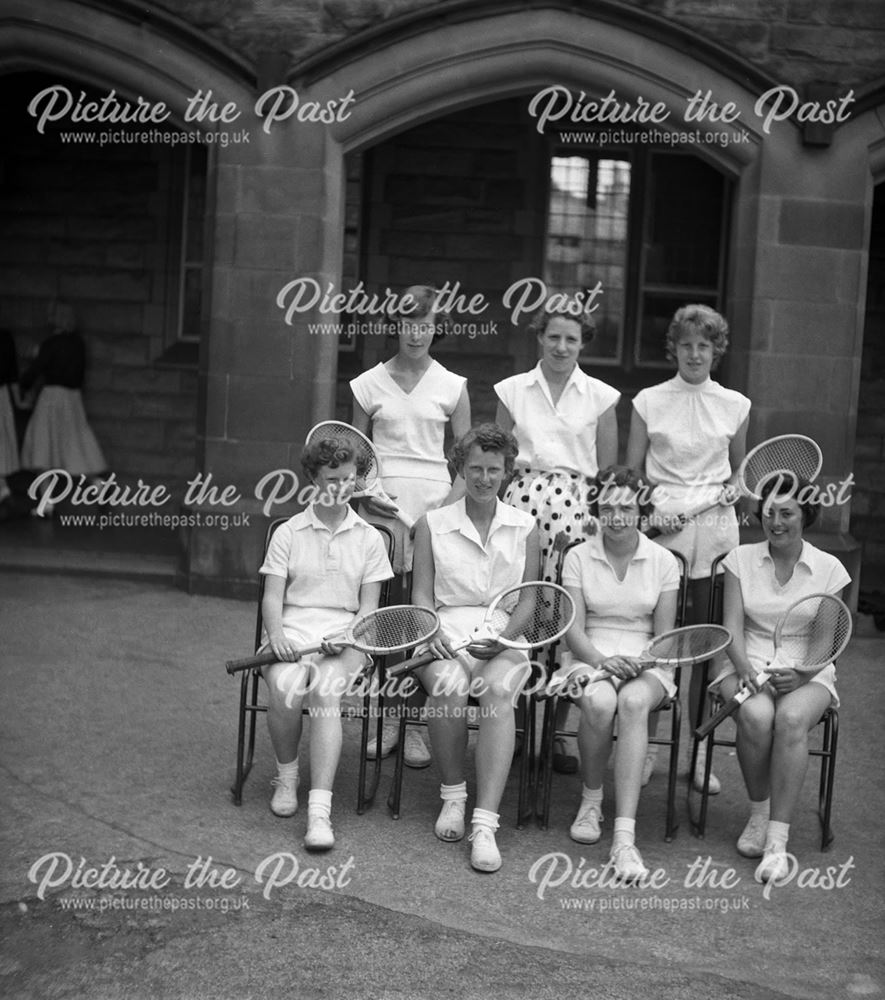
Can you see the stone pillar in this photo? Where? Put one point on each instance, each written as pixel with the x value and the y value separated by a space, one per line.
pixel 808 270
pixel 263 383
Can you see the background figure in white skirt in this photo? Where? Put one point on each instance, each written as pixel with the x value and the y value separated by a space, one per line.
pixel 566 426
pixel 405 404
pixel 688 435
pixel 58 435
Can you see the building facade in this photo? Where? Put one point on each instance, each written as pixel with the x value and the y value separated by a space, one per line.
pixel 655 152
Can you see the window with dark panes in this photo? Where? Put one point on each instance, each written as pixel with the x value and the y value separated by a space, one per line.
pixel 649 226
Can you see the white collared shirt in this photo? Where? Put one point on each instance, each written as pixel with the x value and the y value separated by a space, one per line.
pixel 468 573
pixel 619 610
pixel 559 437
pixel 325 568
pixel 765 600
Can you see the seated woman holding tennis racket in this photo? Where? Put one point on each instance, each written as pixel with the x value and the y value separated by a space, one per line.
pixel 324 567
pixel 763 581
pixel 625 588
pixel 465 554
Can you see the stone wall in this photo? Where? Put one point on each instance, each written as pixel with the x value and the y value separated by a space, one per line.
pixel 794 41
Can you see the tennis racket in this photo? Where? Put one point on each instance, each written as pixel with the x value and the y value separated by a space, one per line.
pixel 679 647
pixel 788 453
pixel 527 616
pixel 810 634
pixel 386 630
pixel 368 474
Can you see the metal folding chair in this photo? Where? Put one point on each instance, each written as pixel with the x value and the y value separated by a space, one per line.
pixel 549 732
pixel 251 705
pixel 829 723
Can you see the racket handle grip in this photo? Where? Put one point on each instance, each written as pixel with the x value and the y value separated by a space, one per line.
pixel 398 669
pixel 250 662
pixel 404 518
pixel 729 708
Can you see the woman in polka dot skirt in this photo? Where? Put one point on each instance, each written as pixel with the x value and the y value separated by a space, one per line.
pixel 565 424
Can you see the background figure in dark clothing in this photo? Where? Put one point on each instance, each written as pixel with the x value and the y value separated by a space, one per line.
pixel 9 458
pixel 58 435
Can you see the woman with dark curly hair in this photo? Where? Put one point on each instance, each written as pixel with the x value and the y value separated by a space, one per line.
pixel 761 582
pixel 324 567
pixel 688 435
pixel 465 554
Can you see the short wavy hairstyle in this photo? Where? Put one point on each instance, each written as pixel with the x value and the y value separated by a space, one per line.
pixel 622 476
pixel 489 437
pixel 540 319
pixel 698 319
pixel 330 452
pixel 419 300
pixel 787 485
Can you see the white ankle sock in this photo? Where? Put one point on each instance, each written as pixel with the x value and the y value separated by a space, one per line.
pixel 624 832
pixel 592 797
pixel 319 801
pixel 454 793
pixel 778 834
pixel 486 818
pixel 760 808
pixel 288 770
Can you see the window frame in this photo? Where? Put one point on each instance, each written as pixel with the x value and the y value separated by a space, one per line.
pixel 641 160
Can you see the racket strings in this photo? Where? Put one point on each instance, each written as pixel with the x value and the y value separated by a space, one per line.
pixel 364 454
pixel 815 632
pixel 794 455
pixel 698 642
pixel 395 628
pixel 542 617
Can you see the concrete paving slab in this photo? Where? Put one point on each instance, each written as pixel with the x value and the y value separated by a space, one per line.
pixel 118 748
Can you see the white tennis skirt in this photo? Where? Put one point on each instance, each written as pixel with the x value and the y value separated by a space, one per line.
pixel 58 435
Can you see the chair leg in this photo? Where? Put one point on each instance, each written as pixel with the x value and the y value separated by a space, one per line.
pixel 242 770
pixel 672 824
pixel 701 824
pixel 396 786
pixel 368 795
pixel 545 762
pixel 367 787
pixel 827 776
pixel 525 805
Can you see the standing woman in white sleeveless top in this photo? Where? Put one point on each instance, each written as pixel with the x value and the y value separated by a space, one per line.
pixel 688 435
pixel 565 423
pixel 404 404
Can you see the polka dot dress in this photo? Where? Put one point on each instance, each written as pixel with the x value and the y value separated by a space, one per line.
pixel 558 502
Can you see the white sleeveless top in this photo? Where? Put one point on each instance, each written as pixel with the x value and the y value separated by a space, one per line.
pixel 408 428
